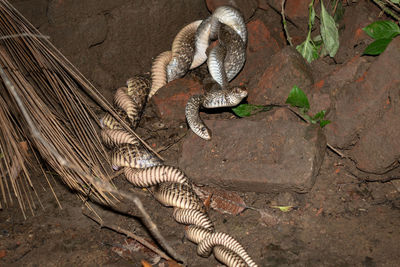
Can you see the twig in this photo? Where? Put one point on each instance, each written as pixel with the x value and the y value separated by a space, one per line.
pixel 163 148
pixel 394 6
pixel 335 150
pixel 386 10
pixel 120 230
pixel 117 173
pixel 98 183
pixel 368 179
pixel 24 35
pixel 334 9
pixel 288 38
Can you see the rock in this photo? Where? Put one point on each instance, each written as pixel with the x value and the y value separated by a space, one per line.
pixel 347 72
pixel 360 105
pixel 263 4
pixel 353 38
pixel 276 153
pixel 170 100
pixel 247 8
pixel 334 79
pixel 286 69
pixel 296 11
pixel 261 47
pixel 319 101
pixel 378 150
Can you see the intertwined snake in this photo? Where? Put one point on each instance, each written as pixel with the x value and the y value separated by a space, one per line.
pixel 142 168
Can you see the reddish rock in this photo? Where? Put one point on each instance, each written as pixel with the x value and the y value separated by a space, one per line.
pixel 170 100
pixel 319 101
pixel 247 155
pixel 286 69
pixel 348 72
pixel 345 73
pixel 247 8
pixel 261 47
pixel 296 11
pixel 360 105
pixel 353 38
pixel 260 38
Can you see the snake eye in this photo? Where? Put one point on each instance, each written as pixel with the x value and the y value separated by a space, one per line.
pixel 203 129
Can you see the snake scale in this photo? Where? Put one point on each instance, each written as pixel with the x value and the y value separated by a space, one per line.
pixel 142 168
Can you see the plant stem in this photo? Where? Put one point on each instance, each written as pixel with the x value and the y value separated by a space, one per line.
pixel 288 38
pixel 310 23
pixel 386 10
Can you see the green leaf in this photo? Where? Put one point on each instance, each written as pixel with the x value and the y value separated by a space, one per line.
pixel 312 14
pixel 308 50
pixel 307 117
pixel 283 208
pixel 319 116
pixel 298 98
pixel 377 47
pixel 246 110
pixel 395 1
pixel 329 32
pixel 384 29
pixel 322 123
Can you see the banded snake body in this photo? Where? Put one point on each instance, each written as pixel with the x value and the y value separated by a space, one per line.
pixel 142 168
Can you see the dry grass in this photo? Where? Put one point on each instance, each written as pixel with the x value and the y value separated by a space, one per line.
pixel 53 93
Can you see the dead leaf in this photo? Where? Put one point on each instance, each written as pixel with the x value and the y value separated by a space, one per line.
pixel 3 253
pixel 15 169
pixel 130 248
pixel 223 201
pixel 283 208
pixel 172 263
pixel 24 147
pixel 268 218
pixel 145 263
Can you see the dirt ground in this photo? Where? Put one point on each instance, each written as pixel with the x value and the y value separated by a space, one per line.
pixel 343 221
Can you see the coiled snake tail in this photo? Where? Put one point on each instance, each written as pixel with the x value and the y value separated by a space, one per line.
pixel 159 72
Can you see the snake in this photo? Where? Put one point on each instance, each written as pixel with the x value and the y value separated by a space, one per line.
pixel 217 98
pixel 142 168
pixel 224 62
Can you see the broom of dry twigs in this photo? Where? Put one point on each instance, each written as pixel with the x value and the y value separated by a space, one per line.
pixel 50 90
pixel 44 105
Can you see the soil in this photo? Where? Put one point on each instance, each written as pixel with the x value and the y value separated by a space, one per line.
pixel 343 220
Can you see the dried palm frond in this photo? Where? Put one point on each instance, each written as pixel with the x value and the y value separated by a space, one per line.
pixel 42 101
pixel 51 90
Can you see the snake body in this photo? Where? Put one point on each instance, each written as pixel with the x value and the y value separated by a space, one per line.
pixel 170 186
pixel 231 17
pixel 155 175
pixel 117 137
pixel 183 48
pixel 195 123
pixel 216 98
pixel 224 62
pixel 158 71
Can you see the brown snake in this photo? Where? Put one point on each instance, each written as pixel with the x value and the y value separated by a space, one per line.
pixel 142 168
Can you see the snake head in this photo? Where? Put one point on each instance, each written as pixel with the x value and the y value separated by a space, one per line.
pixel 174 70
pixel 235 95
pixel 205 133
